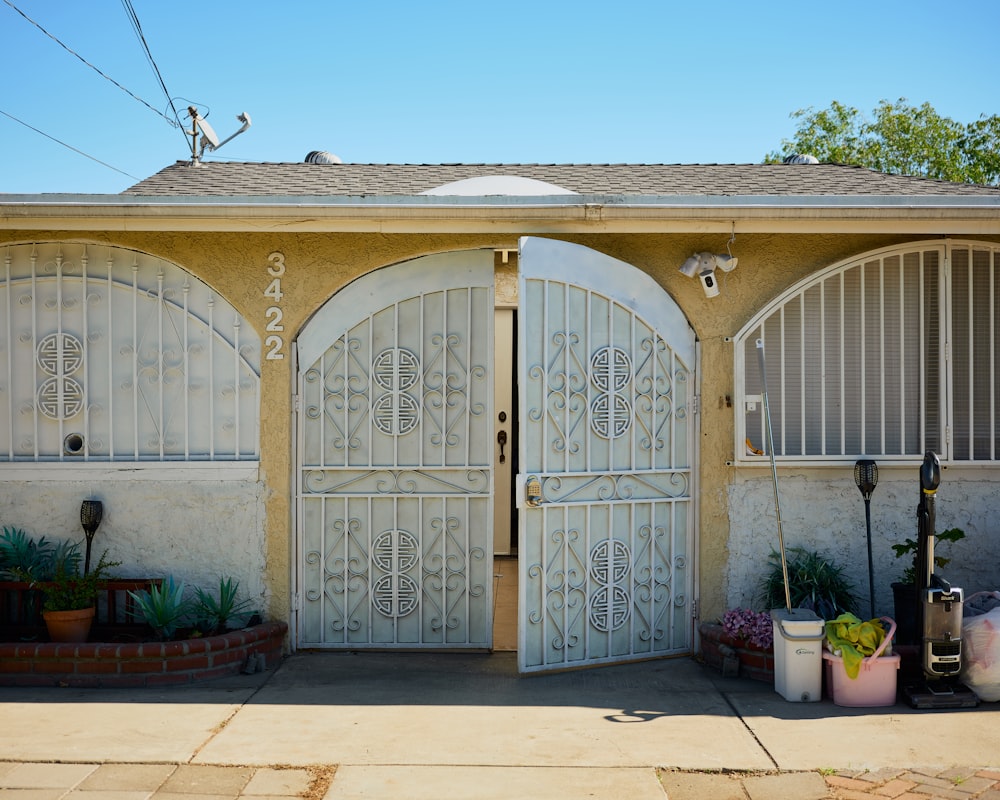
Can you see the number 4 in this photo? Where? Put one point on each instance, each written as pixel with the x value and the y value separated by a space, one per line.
pixel 274 290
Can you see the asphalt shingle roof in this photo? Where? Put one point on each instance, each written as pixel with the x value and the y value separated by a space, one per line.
pixel 231 179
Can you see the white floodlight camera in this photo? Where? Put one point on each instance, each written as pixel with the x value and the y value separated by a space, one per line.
pixel 704 265
pixel 209 138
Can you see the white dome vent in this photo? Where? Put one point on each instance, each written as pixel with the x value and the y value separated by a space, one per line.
pixel 491 185
pixel 322 157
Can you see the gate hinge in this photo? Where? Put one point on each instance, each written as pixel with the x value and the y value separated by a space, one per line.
pixel 696 404
pixel 296 403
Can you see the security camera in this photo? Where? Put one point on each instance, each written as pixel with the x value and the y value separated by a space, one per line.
pixel 708 283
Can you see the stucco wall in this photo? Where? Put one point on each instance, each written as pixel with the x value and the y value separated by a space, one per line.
pixel 197 531
pixel 822 510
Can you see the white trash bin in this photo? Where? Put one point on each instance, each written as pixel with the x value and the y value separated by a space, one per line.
pixel 798 654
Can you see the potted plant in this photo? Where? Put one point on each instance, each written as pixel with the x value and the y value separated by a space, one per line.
pixel 69 599
pixel 53 570
pixel 813 582
pixel 904 591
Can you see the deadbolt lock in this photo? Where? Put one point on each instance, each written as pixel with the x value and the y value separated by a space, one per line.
pixel 533 492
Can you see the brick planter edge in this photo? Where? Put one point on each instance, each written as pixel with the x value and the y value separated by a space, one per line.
pixel 716 645
pixel 146 664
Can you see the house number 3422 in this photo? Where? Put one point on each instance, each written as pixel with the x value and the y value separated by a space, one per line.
pixel 274 342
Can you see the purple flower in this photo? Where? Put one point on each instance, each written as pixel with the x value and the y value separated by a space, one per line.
pixel 754 627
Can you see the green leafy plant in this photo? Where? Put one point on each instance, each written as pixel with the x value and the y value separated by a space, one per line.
pixel 23 558
pixel 215 612
pixel 53 569
pixel 909 548
pixel 813 583
pixel 68 590
pixel 164 608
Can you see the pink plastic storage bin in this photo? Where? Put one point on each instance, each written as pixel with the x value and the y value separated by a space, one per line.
pixel 876 681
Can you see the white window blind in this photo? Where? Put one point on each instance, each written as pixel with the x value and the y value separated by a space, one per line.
pixel 857 359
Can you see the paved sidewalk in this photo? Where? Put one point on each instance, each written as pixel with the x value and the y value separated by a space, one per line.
pixel 415 726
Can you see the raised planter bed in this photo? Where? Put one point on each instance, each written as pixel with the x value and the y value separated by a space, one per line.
pixel 119 653
pixel 135 664
pixel 719 650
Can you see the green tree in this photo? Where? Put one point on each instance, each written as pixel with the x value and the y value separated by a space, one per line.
pixel 900 139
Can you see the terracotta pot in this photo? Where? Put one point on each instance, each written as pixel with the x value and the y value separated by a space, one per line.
pixel 69 626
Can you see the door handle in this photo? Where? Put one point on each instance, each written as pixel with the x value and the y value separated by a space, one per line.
pixel 502 440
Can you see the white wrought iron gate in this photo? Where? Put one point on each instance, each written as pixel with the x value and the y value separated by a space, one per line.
pixel 394 459
pixel 606 374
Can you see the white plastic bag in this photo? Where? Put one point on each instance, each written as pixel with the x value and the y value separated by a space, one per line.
pixel 981 645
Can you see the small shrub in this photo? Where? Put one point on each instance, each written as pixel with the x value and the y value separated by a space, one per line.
pixel 164 608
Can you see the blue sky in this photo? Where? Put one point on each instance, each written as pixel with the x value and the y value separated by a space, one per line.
pixel 378 81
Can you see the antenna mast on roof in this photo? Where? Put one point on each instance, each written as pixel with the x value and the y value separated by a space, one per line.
pixel 209 139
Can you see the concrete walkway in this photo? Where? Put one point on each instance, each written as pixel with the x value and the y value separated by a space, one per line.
pixel 420 726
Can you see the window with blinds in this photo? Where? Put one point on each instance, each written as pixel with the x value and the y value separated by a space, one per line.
pixel 856 360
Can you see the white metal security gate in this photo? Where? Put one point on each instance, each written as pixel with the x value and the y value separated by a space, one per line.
pixel 395 449
pixel 606 374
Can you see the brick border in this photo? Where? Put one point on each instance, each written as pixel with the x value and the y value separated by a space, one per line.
pixel 148 664
pixel 716 645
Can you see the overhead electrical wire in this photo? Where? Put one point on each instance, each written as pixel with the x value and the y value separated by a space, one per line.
pixel 74 149
pixel 137 27
pixel 173 122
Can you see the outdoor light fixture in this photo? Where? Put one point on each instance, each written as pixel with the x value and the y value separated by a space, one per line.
pixel 705 264
pixel 91 514
pixel 866 478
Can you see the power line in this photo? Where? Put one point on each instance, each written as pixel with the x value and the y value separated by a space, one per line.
pixel 137 27
pixel 75 150
pixel 106 77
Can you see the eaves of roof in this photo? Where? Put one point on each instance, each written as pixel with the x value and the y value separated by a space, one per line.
pixel 942 214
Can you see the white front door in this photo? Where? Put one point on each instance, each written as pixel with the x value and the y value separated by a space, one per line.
pixel 395 454
pixel 606 388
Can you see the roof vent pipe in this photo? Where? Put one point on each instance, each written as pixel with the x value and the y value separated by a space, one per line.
pixel 322 157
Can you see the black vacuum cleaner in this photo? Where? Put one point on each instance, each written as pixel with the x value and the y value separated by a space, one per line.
pixel 939 613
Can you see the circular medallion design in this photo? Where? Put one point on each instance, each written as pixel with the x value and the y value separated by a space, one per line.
pixel 395 594
pixel 396 369
pixel 610 410
pixel 610 603
pixel 58 346
pixel 60 398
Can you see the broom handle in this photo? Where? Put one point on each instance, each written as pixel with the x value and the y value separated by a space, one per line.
pixel 774 470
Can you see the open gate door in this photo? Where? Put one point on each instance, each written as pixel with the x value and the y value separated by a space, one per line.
pixel 606 367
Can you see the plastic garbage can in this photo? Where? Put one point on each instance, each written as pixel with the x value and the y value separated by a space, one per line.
pixel 798 654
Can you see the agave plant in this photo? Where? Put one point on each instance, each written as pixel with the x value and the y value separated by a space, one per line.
pixel 164 608
pixel 215 612
pixel 23 558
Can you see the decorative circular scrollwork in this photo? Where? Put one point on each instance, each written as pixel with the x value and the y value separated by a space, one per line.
pixel 394 595
pixel 610 369
pixel 394 551
pixel 60 398
pixel 609 608
pixel 611 603
pixel 395 414
pixel 396 369
pixel 58 346
pixel 610 561
pixel 611 374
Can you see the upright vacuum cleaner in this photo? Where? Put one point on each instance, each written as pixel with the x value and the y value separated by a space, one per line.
pixel 939 612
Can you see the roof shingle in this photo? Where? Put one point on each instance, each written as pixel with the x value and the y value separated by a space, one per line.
pixel 233 179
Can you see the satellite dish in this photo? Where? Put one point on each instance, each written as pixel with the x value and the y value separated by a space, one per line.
pixel 209 138
pixel 207 134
